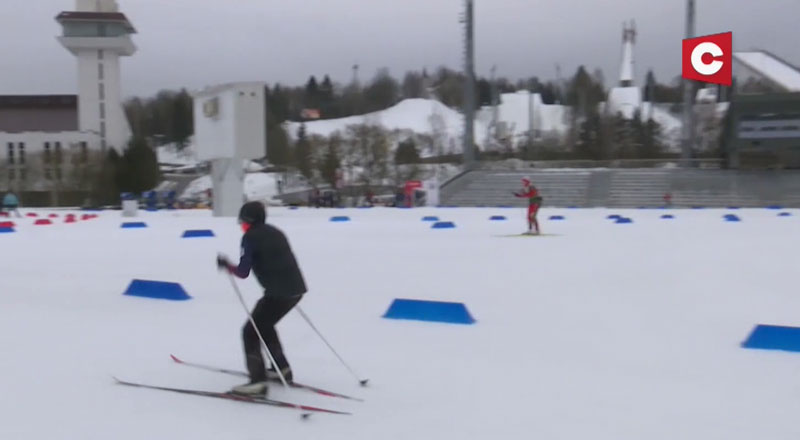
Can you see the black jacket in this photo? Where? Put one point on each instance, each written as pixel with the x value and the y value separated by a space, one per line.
pixel 266 251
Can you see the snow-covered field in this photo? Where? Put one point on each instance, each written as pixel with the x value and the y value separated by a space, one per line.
pixel 598 331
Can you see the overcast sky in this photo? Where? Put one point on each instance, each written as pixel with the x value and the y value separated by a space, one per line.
pixel 193 43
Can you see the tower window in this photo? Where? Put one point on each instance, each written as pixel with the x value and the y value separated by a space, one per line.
pixel 102 91
pixel 21 148
pixel 100 70
pixel 103 129
pixel 47 152
pixel 11 153
pixel 102 110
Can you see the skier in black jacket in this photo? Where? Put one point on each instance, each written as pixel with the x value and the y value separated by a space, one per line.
pixel 265 251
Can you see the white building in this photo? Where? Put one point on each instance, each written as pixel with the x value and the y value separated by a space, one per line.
pixel 626 98
pixel 45 138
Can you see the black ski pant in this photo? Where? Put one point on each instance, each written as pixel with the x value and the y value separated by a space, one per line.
pixel 268 311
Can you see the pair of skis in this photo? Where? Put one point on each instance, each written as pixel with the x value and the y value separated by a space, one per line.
pixel 307 409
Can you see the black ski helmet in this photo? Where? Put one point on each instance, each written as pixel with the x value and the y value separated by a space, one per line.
pixel 253 213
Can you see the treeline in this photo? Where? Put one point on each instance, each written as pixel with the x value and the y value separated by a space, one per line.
pixel 167 117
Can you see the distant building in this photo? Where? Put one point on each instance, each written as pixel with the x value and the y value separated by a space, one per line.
pixel 762 127
pixel 46 140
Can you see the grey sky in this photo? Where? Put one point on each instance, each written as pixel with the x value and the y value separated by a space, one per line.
pixel 193 43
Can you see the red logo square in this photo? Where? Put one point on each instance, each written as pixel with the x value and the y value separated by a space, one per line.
pixel 709 59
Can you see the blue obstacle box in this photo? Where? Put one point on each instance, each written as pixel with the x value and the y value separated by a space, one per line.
pixel 613 216
pixel 431 311
pixel 133 225
pixel 340 218
pixel 623 220
pixel 5 230
pixel 732 218
pixel 773 337
pixel 443 225
pixel 157 290
pixel 496 218
pixel 774 207
pixel 667 216
pixel 785 214
pixel 197 233
pixel 430 218
pixel 556 217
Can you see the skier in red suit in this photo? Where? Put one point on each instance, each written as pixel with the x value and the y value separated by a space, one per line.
pixel 534 202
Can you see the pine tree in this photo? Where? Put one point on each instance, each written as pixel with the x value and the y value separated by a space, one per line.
pixel 383 92
pixel 302 152
pixel 330 163
pixel 311 98
pixel 182 119
pixel 137 170
pixel 406 153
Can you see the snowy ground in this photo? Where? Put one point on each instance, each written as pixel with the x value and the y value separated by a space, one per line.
pixel 600 331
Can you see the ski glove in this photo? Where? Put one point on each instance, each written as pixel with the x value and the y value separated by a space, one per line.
pixel 223 263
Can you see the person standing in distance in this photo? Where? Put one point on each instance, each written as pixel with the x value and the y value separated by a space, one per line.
pixel 266 251
pixel 534 202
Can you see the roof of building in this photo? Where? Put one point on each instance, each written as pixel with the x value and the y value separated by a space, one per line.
pixel 96 16
pixel 771 67
pixel 42 113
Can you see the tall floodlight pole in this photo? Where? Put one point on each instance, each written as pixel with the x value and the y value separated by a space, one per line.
pixel 688 112
pixel 469 87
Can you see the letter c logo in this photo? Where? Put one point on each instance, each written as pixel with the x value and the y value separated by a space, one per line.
pixel 697 58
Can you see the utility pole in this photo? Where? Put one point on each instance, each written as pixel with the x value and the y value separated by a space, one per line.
pixel 688 111
pixel 469 86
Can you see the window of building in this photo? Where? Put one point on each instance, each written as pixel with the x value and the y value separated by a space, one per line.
pixel 100 70
pixel 84 152
pixel 102 91
pixel 58 155
pixel 10 155
pixel 21 148
pixel 23 174
pixel 48 174
pixel 47 152
pixel 102 110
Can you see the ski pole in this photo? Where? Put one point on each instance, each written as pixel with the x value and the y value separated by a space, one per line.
pixel 362 382
pixel 253 323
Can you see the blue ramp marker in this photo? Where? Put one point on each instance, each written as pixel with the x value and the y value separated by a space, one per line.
pixel 623 220
pixel 443 225
pixel 785 214
pixel 430 218
pixel 157 290
pixel 556 217
pixel 5 230
pixel 667 216
pixel 432 311
pixel 613 216
pixel 496 218
pixel 731 218
pixel 132 225
pixel 773 337
pixel 197 233
pixel 774 207
pixel 340 218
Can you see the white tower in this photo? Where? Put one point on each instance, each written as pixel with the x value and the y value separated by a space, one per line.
pixel 98 34
pixel 626 73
